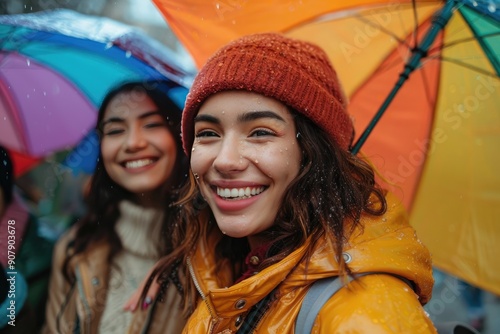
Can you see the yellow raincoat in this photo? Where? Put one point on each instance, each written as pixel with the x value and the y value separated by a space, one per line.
pixel 377 303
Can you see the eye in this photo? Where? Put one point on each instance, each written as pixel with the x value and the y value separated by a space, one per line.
pixel 206 133
pixel 262 132
pixel 113 131
pixel 154 121
pixel 154 125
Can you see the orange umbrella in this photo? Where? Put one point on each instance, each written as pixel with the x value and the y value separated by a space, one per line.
pixel 435 144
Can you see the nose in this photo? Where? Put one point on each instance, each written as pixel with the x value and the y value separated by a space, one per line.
pixel 135 139
pixel 230 156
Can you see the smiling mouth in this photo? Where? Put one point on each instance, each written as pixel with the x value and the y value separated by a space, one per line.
pixel 239 193
pixel 138 163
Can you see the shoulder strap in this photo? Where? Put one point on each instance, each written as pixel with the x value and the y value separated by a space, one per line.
pixel 322 290
pixel 316 297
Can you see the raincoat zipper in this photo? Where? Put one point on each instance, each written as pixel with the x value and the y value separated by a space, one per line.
pixel 203 296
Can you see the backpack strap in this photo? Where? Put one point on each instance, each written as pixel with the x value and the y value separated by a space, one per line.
pixel 322 290
pixel 316 297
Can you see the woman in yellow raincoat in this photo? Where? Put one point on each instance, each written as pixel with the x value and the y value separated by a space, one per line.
pixel 281 202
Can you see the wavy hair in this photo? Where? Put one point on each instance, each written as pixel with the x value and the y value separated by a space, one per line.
pixel 104 195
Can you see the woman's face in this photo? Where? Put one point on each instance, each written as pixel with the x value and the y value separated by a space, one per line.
pixel 138 149
pixel 245 154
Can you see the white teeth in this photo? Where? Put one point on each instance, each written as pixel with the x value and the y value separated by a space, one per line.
pixel 138 163
pixel 239 192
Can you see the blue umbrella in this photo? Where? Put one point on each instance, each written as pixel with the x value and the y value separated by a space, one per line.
pixel 56 67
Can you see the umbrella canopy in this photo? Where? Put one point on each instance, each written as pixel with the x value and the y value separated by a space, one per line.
pixel 56 67
pixel 435 145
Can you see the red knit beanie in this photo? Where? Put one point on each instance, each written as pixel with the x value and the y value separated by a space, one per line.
pixel 293 72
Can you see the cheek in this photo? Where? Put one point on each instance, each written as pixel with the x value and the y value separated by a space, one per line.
pixel 108 151
pixel 200 160
pixel 282 162
pixel 167 144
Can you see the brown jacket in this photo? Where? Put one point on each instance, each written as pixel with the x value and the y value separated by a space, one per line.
pixel 77 308
pixel 378 303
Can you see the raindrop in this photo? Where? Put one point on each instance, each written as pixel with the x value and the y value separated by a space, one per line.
pixel 474 3
pixel 223 112
pixel 128 54
pixel 27 96
pixel 4 118
pixel 28 62
pixel 491 7
pixel 256 161
pixel 44 93
pixel 217 5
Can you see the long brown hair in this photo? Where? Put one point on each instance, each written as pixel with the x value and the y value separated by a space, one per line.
pixel 104 195
pixel 332 190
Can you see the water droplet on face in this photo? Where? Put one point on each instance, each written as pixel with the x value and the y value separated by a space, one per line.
pixel 223 112
pixel 256 161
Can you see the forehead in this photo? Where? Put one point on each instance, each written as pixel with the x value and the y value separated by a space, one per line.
pixel 229 103
pixel 127 104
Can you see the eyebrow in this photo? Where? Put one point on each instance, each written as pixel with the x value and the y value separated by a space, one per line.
pixel 245 117
pixel 121 120
pixel 254 115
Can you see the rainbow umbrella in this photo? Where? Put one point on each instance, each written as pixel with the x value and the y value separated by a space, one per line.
pixel 423 82
pixel 56 67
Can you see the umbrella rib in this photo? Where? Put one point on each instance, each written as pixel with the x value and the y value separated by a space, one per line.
pixel 415 18
pixel 463 40
pixel 463 64
pixel 382 29
pixel 489 53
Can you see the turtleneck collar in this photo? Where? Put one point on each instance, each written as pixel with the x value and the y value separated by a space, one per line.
pixel 140 229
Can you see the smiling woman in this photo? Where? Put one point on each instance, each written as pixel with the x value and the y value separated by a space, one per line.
pixel 100 262
pixel 267 130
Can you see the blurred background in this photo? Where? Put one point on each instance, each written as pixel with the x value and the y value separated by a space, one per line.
pixel 140 13
pixel 53 191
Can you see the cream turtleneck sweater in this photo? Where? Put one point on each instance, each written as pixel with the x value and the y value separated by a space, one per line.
pixel 139 229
